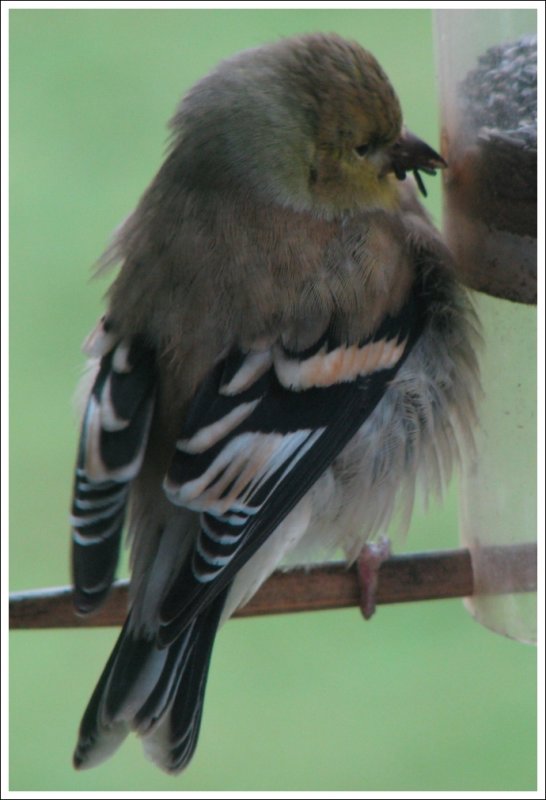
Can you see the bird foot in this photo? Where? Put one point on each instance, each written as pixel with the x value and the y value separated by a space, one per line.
pixel 369 563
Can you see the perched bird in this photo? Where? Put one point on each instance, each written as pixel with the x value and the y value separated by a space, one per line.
pixel 285 352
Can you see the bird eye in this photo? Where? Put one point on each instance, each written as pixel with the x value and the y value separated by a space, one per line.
pixel 361 150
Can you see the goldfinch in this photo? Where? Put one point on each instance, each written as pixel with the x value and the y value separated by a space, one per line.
pixel 285 352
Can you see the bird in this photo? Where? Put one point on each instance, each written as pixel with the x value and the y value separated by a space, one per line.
pixel 285 355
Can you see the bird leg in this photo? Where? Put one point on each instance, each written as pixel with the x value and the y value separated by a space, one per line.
pixel 369 563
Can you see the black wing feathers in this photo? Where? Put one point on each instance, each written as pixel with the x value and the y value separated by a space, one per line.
pixel 298 415
pixel 112 442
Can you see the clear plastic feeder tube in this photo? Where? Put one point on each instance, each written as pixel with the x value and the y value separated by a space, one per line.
pixel 487 68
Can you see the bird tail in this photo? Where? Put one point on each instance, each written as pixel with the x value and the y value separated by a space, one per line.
pixel 156 692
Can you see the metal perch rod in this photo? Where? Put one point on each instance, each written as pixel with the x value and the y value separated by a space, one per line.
pixel 402 579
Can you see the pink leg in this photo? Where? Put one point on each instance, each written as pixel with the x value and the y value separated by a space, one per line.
pixel 368 566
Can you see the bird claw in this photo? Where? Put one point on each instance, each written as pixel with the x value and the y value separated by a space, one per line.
pixel 369 563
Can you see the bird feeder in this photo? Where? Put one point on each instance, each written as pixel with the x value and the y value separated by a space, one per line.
pixel 487 64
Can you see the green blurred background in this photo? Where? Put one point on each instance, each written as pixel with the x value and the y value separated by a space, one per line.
pixel 421 698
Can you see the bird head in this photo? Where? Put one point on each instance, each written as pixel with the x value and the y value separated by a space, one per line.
pixel 311 123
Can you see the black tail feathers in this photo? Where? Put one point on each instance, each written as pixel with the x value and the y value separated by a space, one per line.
pixel 156 692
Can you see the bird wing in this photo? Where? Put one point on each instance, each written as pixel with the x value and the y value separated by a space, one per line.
pixel 260 431
pixel 112 442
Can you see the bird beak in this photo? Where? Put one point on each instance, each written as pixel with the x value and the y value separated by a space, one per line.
pixel 410 154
